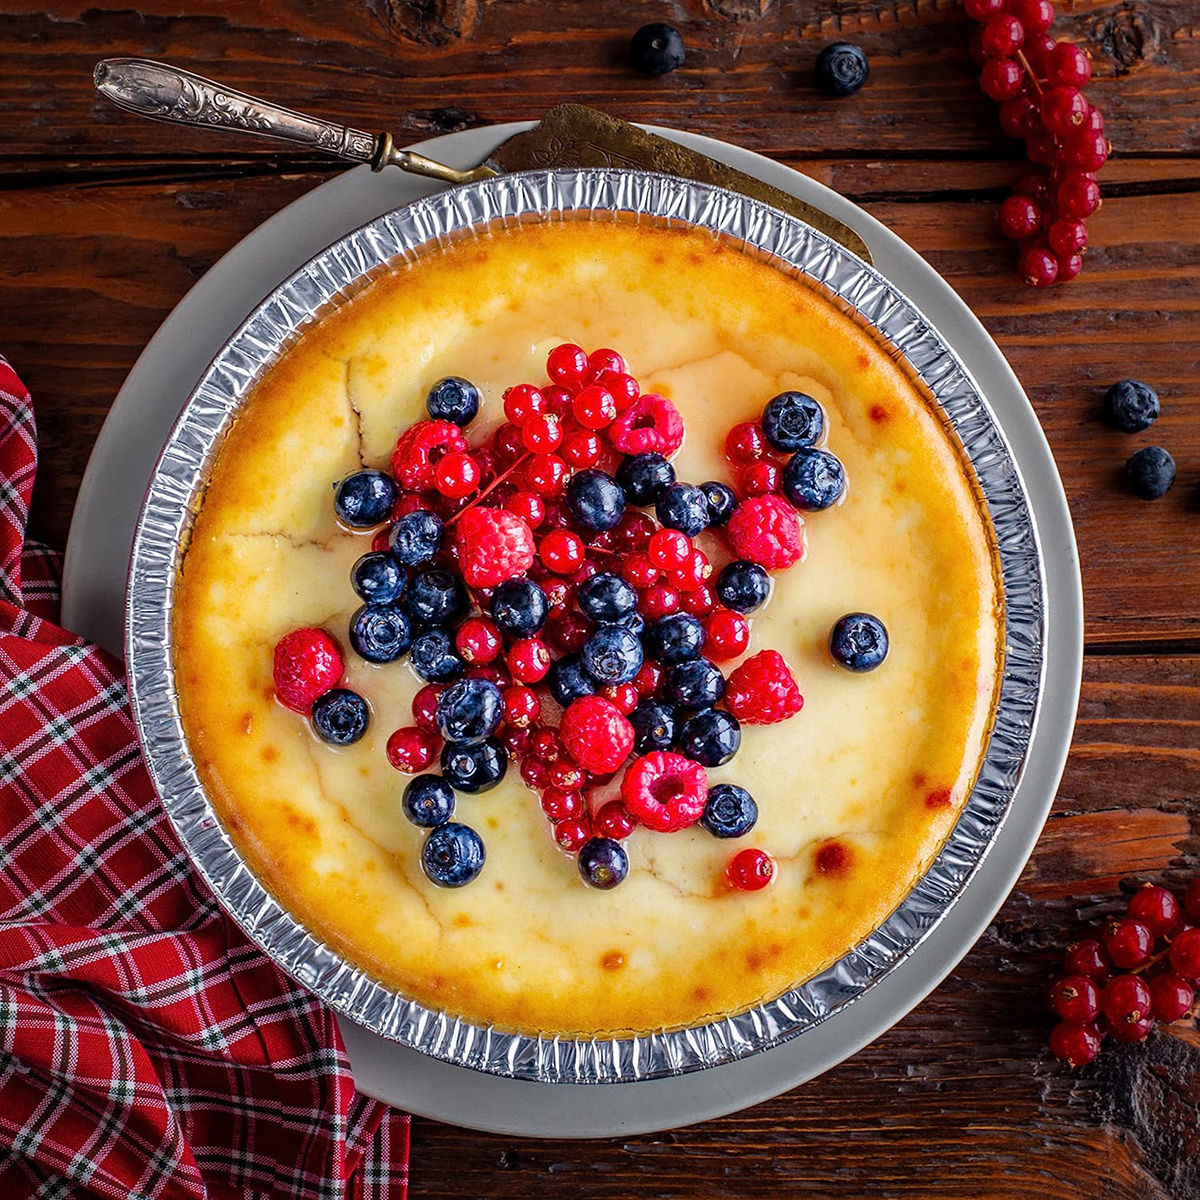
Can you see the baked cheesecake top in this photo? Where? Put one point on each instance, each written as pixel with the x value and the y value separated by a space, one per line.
pixel 854 792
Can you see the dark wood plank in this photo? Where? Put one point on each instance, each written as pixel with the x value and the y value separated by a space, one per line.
pixel 92 270
pixel 961 1098
pixel 418 66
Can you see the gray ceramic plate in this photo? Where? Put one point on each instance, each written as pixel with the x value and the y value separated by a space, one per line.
pixel 690 1103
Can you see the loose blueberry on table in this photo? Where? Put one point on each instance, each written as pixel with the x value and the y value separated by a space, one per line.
pixel 547 584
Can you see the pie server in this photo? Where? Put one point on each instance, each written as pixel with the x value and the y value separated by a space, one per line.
pixel 567 136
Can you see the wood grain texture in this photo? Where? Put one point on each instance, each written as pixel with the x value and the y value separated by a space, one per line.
pixel 106 221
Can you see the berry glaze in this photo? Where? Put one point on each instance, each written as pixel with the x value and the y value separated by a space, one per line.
pixel 1038 83
pixel 606 625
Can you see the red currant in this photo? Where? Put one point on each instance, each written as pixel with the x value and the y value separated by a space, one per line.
pixel 521 706
pixel 530 507
pixel 411 749
pixel 1185 954
pixel 1037 266
pixel 456 475
pixel 1085 150
pixel 558 400
pixel 595 407
pixel 529 660
pixel 492 672
pixel 571 834
pixel 582 448
pixel 623 695
pixel 1125 999
pixel 1003 36
pixel 1001 79
pixel 1069 268
pixel 522 402
pixel 1035 15
pixel 603 360
pixel 1068 65
pixel 562 804
pixel 1019 218
pixel 1063 109
pixel 693 573
pixel 559 594
pixel 535 773
pixel 1037 50
pixel 1089 958
pixel 1019 117
pixel 1191 901
pixel 1077 195
pixel 1042 146
pixel 515 740
pixel 669 549
pixel 545 746
pixel 567 365
pixel 614 820
pixel 648 680
pixel 699 601
pixel 1074 1044
pixel 1171 997
pixel 1035 184
pixel 1067 236
pixel 634 532
pixel 567 775
pixel 1129 943
pixel 1076 998
pixel 638 570
pixel 745 442
pixel 570 632
pixel 658 601
pixel 542 434
pixel 424 707
pixel 750 870
pixel 1156 908
pixel 759 478
pixel 546 474
pixel 1094 121
pixel 586 570
pixel 981 10
pixel 1132 1031
pixel 625 388
pixel 478 640
pixel 727 635
pixel 506 444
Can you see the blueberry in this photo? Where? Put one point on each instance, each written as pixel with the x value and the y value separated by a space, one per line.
pixel 793 421
pixel 429 801
pixel 653 726
pixel 842 69
pixel 519 607
pixel 1131 405
pixel 568 680
pixel 695 684
pixel 606 597
pixel 434 657
pixel 474 766
pixel 675 638
pixel 643 476
pixel 416 537
pixel 469 710
pixel 380 633
pixel 711 738
pixel 603 863
pixel 613 654
pixel 859 642
pixel 743 586
pixel 730 811
pixel 453 855
pixel 813 479
pixel 721 501
pixel 656 49
pixel 1151 473
pixel 340 717
pixel 436 598
pixel 364 499
pixel 596 500
pixel 682 506
pixel 453 399
pixel 377 578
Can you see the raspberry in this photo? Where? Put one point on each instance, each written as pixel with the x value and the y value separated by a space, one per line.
pixel 419 447
pixel 766 530
pixel 651 424
pixel 493 545
pixel 596 734
pixel 307 664
pixel 665 791
pixel 762 691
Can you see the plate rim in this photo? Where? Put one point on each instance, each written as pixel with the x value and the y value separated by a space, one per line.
pixel 1067 607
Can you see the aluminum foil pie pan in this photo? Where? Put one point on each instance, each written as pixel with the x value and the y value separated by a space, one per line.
pixel 174 496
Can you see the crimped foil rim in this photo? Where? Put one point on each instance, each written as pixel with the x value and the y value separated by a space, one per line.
pixel 173 498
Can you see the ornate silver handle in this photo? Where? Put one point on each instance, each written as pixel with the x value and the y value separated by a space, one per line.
pixel 166 93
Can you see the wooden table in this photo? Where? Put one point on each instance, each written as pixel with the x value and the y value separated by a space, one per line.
pixel 106 221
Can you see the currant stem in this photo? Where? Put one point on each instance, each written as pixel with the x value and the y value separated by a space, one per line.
pixel 491 486
pixel 1037 87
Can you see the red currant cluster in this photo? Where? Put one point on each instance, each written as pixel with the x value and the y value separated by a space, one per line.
pixel 1038 84
pixel 1137 970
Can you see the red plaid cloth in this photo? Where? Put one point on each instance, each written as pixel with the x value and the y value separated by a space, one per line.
pixel 149 1049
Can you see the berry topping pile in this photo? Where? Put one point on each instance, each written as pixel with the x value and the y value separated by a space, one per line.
pixel 1133 973
pixel 1038 83
pixel 570 606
